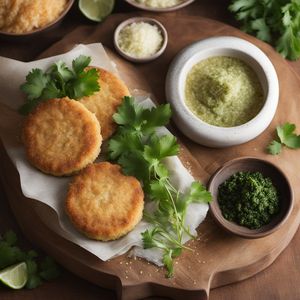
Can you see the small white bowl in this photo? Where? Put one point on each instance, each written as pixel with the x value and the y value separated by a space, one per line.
pixel 204 133
pixel 151 21
pixel 159 9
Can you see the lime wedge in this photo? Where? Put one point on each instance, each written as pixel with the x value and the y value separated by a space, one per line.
pixel 96 10
pixel 14 276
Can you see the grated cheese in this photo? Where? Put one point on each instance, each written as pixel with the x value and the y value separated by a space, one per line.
pixel 140 39
pixel 159 3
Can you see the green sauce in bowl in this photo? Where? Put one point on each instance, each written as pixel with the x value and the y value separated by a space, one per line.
pixel 223 91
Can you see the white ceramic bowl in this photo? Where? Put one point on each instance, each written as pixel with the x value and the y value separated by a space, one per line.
pixel 204 133
pixel 159 10
pixel 151 21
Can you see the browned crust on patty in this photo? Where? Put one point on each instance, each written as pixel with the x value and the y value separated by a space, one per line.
pixel 103 203
pixel 61 137
pixel 105 102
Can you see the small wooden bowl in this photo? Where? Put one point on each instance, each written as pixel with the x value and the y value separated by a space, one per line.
pixel 160 10
pixel 268 169
pixel 137 20
pixel 21 37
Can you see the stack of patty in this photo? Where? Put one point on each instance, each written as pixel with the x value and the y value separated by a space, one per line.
pixel 63 137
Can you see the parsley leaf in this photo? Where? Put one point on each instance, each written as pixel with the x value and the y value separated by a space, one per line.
pixel 285 130
pixel 80 63
pixel 157 190
pixel 198 193
pixel 134 164
pixel 274 148
pixel 124 142
pixel 34 279
pixel 35 83
pixel 273 21
pixel 168 262
pixel 60 71
pixel 161 147
pixel 142 120
pixel 155 117
pixel 286 137
pixel 292 141
pixel 129 115
pixel 84 85
pixel 262 29
pixel 148 237
pixel 59 81
pixel 140 152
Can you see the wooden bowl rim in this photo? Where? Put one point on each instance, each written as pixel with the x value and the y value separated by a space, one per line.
pixel 242 231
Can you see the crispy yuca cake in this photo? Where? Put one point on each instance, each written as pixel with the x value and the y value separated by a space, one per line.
pixel 105 102
pixel 61 137
pixel 103 203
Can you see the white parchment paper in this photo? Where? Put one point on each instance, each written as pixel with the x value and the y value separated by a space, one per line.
pixel 52 190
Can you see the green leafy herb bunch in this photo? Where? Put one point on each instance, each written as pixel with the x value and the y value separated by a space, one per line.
pixel 59 81
pixel 141 152
pixel 274 21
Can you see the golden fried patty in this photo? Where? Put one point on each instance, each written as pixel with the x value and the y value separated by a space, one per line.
pixel 61 137
pixel 105 102
pixel 103 203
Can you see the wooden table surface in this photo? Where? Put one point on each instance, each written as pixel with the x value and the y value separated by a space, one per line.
pixel 280 281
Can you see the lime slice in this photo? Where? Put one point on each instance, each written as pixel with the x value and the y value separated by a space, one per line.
pixel 96 10
pixel 14 276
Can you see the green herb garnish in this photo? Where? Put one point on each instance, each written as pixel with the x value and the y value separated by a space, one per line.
pixel 60 81
pixel 274 21
pixel 38 270
pixel 286 135
pixel 140 152
pixel 249 199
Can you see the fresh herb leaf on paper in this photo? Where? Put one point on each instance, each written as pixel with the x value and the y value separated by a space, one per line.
pixel 37 270
pixel 59 81
pixel 140 152
pixel 36 81
pixel 85 84
pixel 274 21
pixel 286 136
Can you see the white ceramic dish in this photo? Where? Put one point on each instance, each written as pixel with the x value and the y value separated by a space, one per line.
pixel 151 21
pixel 159 10
pixel 191 125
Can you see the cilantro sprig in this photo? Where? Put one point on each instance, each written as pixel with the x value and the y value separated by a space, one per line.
pixel 38 270
pixel 141 153
pixel 274 21
pixel 286 135
pixel 59 81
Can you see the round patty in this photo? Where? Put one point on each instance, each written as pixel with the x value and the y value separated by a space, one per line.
pixel 103 203
pixel 61 137
pixel 105 102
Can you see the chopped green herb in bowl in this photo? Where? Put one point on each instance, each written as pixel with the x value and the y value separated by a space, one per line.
pixel 249 199
pixel 252 198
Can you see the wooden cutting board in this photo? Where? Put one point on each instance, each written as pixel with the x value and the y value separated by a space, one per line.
pixel 219 258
